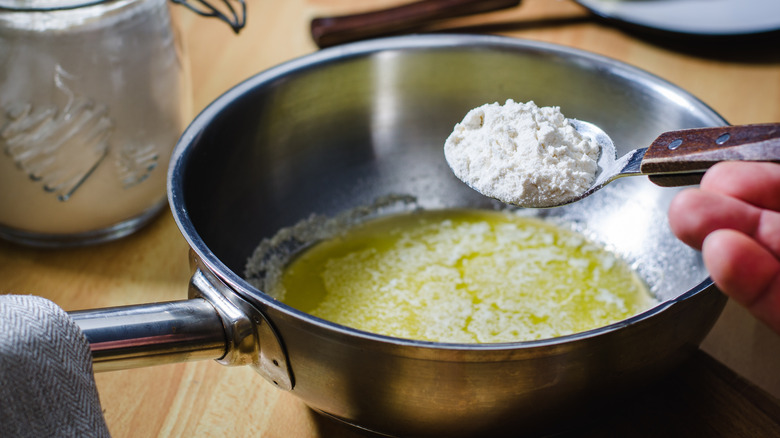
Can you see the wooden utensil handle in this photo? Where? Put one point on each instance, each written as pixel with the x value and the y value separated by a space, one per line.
pixel 329 31
pixel 691 151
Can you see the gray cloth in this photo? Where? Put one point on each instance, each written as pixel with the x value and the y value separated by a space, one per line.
pixel 47 388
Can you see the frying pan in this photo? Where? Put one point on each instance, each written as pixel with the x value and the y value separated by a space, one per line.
pixel 339 128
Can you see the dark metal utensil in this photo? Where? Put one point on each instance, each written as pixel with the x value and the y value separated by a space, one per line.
pixel 330 31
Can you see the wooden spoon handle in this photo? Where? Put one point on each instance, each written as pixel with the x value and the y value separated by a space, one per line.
pixel 677 157
pixel 329 31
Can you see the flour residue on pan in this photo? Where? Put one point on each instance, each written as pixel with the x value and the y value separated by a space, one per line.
pixel 265 266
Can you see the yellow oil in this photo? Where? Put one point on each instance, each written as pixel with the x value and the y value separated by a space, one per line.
pixel 466 276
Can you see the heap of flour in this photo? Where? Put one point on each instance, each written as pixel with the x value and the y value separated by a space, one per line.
pixel 522 154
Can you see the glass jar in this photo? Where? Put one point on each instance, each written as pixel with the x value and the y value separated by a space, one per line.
pixel 93 97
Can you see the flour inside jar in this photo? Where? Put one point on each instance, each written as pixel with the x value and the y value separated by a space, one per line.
pixel 462 276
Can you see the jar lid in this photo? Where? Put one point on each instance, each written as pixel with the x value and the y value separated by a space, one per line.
pixel 46 5
pixel 234 16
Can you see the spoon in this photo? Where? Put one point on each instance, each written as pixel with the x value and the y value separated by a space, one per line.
pixel 678 158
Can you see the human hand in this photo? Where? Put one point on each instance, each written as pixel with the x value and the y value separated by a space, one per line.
pixel 734 219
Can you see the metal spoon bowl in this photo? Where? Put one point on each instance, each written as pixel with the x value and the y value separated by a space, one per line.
pixel 677 158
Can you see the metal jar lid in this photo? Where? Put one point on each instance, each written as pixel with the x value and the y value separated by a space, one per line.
pixel 234 16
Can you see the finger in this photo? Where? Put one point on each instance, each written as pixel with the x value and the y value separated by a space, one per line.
pixel 694 213
pixel 745 271
pixel 749 181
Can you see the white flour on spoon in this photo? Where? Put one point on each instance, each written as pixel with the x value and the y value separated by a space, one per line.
pixel 522 154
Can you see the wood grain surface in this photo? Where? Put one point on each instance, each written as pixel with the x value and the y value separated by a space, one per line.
pixel 739 79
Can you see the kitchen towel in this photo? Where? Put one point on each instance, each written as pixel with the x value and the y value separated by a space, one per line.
pixel 47 388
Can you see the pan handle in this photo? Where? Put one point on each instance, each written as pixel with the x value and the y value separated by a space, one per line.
pixel 215 323
pixel 152 334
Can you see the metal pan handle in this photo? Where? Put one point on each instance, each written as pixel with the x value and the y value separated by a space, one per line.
pixel 152 334
pixel 215 323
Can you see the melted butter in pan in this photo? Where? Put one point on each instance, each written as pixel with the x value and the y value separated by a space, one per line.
pixel 465 276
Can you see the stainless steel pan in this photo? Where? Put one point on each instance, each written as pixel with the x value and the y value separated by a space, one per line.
pixel 337 129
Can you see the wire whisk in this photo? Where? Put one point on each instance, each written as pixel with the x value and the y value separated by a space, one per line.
pixel 235 16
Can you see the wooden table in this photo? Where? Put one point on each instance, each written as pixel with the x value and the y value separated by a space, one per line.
pixel 741 82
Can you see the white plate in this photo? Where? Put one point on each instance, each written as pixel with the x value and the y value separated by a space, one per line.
pixel 695 17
